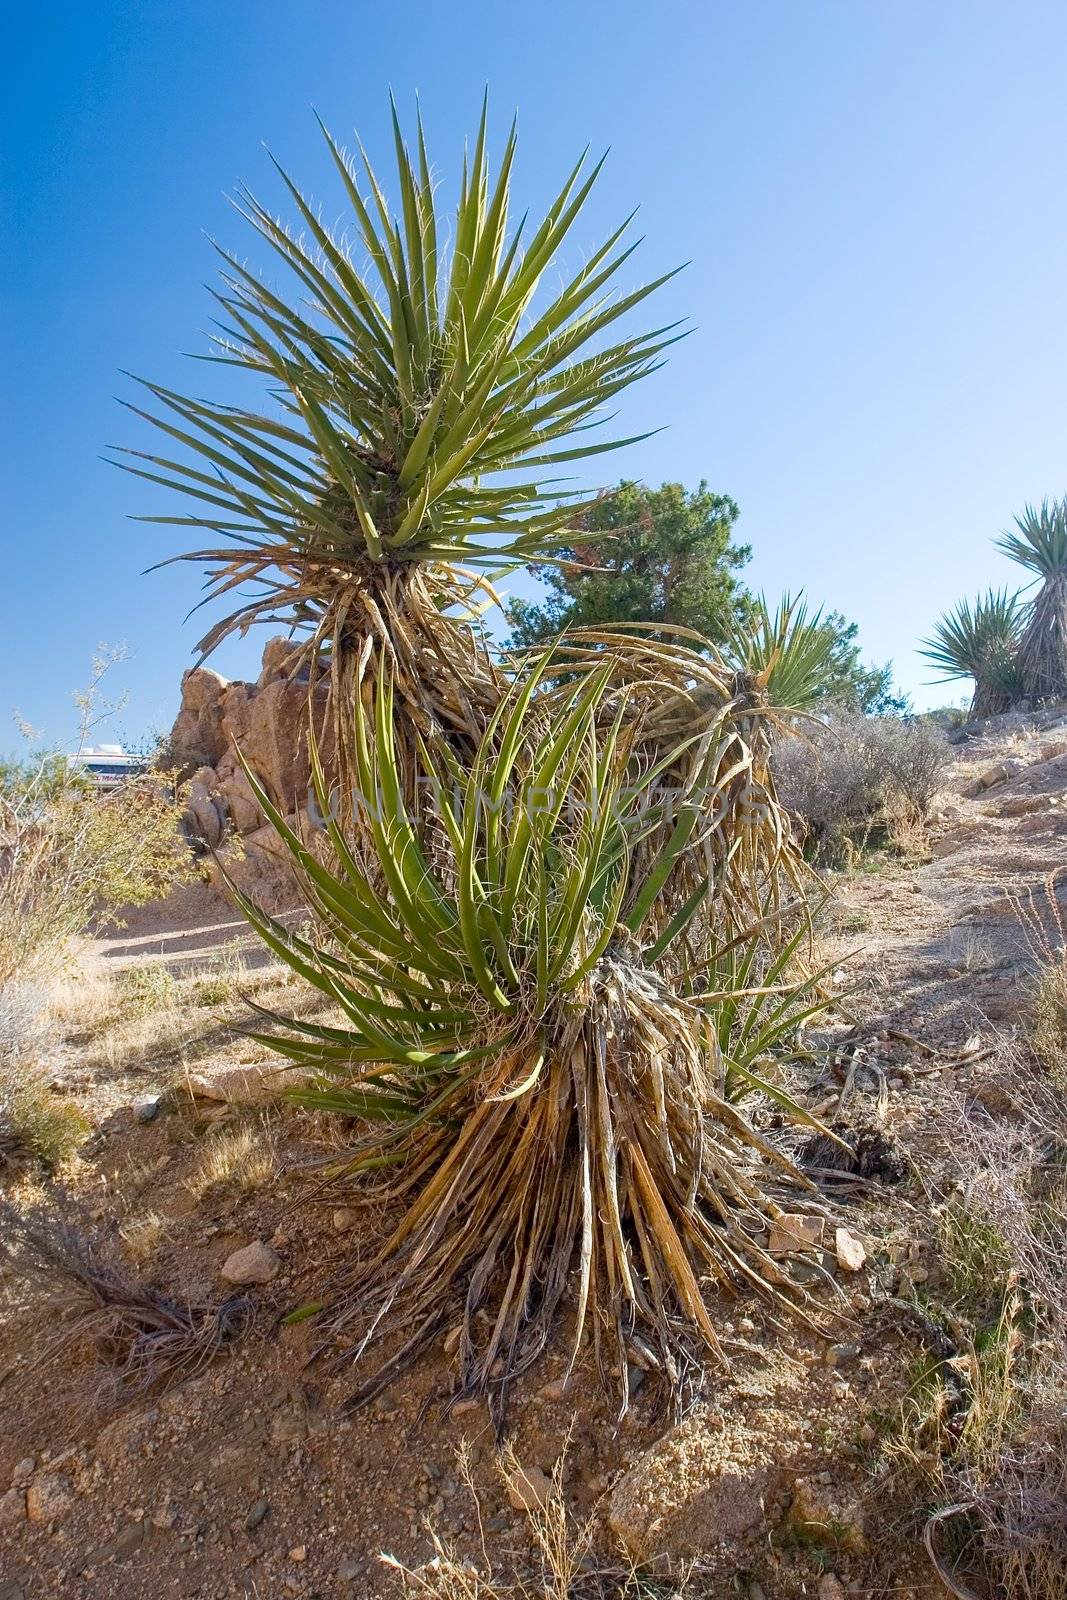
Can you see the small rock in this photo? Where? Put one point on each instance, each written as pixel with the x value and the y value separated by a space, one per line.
pixel 349 1569
pixel 838 1354
pixel 850 1252
pixel 706 1480
pixel 556 1389
pixel 299 1552
pixel 148 1108
pixel 12 1508
pixel 529 1489
pixel 23 1472
pixel 792 1232
pixel 255 1514
pixel 830 1587
pixel 48 1498
pixel 344 1218
pixel 255 1263
pixel 202 1087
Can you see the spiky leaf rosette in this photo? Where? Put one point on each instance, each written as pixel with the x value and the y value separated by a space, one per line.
pixel 981 641
pixel 421 391
pixel 548 1113
pixel 1039 543
pixel 786 654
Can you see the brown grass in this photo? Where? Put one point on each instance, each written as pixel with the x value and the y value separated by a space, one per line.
pixel 236 1161
pixel 982 1440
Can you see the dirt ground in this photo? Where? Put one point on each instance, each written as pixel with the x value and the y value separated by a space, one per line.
pixel 248 1477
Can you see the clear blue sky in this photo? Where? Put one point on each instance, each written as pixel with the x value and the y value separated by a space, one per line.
pixel 871 193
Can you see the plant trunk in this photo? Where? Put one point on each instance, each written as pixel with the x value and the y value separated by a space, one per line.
pixel 1042 659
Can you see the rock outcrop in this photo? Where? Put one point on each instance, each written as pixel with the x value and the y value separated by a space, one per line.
pixel 267 721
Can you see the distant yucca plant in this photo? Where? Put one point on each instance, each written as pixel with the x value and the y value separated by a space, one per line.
pixel 414 414
pixel 981 641
pixel 539 1097
pixel 1039 543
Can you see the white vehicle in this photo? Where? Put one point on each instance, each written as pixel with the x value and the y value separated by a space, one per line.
pixel 108 766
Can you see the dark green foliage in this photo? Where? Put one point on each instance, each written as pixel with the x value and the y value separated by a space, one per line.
pixel 665 558
pixel 654 556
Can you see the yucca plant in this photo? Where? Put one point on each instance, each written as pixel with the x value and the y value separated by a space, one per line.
pixel 1039 543
pixel 541 1103
pixel 785 655
pixel 682 700
pixel 981 641
pixel 418 395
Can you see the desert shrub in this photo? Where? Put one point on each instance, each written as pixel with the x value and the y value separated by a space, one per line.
pixel 31 1117
pixel 139 1333
pixel 853 776
pixel 1047 1019
pixel 984 1438
pixel 69 857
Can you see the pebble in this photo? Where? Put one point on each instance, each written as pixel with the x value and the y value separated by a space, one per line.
pixel 344 1218
pixel 850 1251
pixel 255 1263
pixel 23 1472
pixel 148 1108
pixel 299 1552
pixel 839 1353
pixel 255 1514
pixel 529 1489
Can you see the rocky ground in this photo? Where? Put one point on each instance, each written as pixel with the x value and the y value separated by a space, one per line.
pixel 247 1477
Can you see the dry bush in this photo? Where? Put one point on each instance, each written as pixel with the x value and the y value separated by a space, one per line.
pixel 564 1567
pixel 985 1433
pixel 236 1161
pixel 141 1334
pixel 31 1117
pixel 69 857
pixel 857 776
pixel 1047 1020
pixel 143 1235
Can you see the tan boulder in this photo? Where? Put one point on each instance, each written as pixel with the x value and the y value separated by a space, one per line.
pixel 705 1482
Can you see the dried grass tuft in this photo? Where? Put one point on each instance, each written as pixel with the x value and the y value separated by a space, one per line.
pixel 142 1335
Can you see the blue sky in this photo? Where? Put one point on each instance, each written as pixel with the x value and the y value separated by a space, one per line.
pixel 869 192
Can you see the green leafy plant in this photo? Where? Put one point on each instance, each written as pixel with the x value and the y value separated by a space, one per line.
pixel 416 412
pixel 534 1091
pixel 981 641
pixel 1039 543
pixel 787 654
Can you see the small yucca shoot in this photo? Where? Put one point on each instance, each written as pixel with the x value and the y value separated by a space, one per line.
pixel 785 654
pixel 546 1109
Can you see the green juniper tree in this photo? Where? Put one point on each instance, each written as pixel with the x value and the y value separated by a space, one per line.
pixel 664 559
pixel 655 556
